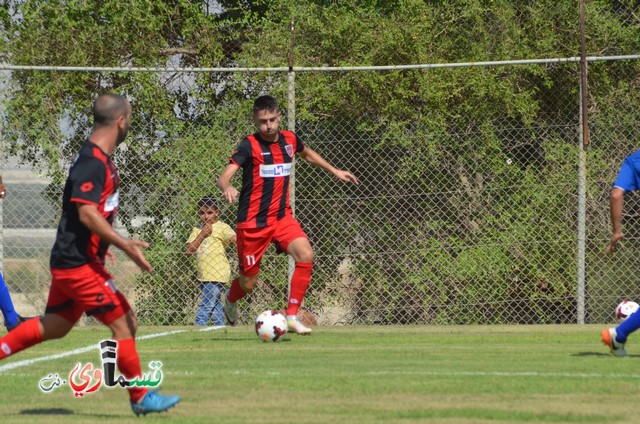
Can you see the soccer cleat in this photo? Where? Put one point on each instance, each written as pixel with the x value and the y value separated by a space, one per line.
pixel 609 338
pixel 295 326
pixel 154 402
pixel 230 312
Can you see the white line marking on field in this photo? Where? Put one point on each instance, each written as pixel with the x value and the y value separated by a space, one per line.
pixel 212 328
pixel 504 374
pixel 27 362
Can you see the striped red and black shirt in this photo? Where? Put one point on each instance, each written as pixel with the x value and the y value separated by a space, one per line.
pixel 266 169
pixel 92 180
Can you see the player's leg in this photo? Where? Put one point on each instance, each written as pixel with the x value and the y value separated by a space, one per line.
pixel 218 312
pixel 11 317
pixel 615 338
pixel 207 302
pixel 628 326
pixel 114 312
pixel 290 236
pixel 123 324
pixel 93 290
pixel 240 287
pixel 60 316
pixel 251 245
pixel 21 338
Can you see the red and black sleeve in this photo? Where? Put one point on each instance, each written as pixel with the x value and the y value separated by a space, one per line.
pixel 87 179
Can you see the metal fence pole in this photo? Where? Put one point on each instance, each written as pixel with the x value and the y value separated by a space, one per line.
pixel 291 124
pixel 582 174
pixel 581 236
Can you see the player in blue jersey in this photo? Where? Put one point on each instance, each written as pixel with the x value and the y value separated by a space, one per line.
pixel 11 318
pixel 628 180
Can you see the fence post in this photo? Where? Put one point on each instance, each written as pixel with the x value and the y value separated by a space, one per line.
pixel 581 288
pixel 291 125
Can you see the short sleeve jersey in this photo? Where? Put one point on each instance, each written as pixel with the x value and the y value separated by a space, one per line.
pixel 92 180
pixel 629 175
pixel 212 261
pixel 266 169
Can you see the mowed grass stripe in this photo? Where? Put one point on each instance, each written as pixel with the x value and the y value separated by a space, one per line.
pixel 354 375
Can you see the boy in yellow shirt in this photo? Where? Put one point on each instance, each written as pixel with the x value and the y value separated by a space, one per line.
pixel 208 243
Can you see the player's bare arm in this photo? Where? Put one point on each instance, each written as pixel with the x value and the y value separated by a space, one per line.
pixel 94 221
pixel 617 200
pixel 313 158
pixel 224 183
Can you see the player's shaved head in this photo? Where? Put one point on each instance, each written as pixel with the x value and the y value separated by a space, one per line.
pixel 108 108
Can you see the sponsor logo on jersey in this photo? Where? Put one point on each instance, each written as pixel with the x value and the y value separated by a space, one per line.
pixel 111 202
pixel 273 171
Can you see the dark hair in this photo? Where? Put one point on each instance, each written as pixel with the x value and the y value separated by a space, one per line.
pixel 265 103
pixel 209 202
pixel 108 107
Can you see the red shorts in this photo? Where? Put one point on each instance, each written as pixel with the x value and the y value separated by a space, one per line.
pixel 253 242
pixel 88 288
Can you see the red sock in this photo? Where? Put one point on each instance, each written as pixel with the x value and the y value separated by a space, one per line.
pixel 300 281
pixel 128 363
pixel 235 292
pixel 23 336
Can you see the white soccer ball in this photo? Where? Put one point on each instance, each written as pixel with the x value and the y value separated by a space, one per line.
pixel 271 326
pixel 626 308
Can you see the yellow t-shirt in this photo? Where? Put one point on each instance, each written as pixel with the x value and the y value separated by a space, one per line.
pixel 211 260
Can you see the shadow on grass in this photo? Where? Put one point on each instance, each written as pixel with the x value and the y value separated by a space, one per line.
pixel 61 411
pixel 47 411
pixel 603 354
pixel 245 340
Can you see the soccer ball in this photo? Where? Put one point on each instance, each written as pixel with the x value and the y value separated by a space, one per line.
pixel 271 326
pixel 626 308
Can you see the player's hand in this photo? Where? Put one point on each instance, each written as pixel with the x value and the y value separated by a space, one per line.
pixel 110 257
pixel 132 249
pixel 206 230
pixel 615 238
pixel 3 191
pixel 231 195
pixel 346 176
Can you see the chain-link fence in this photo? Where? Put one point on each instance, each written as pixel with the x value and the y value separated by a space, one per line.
pixel 469 208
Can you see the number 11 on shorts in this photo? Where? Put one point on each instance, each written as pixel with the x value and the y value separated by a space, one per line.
pixel 250 260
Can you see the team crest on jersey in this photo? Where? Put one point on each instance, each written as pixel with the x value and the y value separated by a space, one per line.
pixel 289 149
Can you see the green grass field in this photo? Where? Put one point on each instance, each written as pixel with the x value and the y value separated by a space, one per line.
pixel 404 374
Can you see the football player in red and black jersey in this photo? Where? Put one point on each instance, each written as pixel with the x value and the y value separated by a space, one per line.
pixel 264 213
pixel 80 282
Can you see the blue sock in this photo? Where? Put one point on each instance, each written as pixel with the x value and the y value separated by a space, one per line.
pixel 6 305
pixel 627 327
